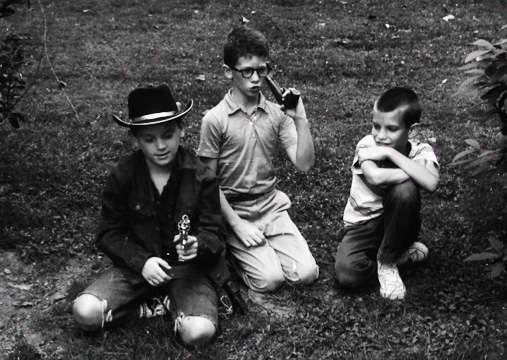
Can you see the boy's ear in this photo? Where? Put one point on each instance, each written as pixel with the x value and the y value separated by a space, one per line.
pixel 227 71
pixel 134 140
pixel 414 130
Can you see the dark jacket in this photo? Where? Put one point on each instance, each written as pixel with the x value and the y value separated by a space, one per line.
pixel 129 230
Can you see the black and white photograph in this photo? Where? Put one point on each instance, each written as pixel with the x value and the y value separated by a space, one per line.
pixel 253 179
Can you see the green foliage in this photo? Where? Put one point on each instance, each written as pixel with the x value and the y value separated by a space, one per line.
pixel 488 67
pixel 497 257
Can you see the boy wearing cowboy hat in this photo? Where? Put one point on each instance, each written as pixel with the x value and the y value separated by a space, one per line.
pixel 146 195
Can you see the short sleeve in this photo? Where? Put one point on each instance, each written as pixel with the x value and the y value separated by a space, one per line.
pixel 287 135
pixel 365 142
pixel 425 151
pixel 210 139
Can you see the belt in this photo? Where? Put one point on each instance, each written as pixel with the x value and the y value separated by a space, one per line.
pixel 243 197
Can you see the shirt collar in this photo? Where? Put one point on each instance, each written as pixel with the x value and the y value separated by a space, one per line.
pixel 233 106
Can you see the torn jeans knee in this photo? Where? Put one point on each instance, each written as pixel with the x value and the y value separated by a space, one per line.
pixel 107 316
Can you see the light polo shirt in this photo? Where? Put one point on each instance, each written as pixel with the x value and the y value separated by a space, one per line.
pixel 365 200
pixel 244 145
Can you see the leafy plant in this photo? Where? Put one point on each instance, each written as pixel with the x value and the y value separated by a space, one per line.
pixel 488 67
pixel 497 256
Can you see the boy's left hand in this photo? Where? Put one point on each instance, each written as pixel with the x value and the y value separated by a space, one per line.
pixel 296 113
pixel 189 250
pixel 374 153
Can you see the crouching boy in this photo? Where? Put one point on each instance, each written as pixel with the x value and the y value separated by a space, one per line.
pixel 147 196
pixel 381 217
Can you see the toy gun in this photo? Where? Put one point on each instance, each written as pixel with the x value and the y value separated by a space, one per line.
pixel 184 228
pixel 290 100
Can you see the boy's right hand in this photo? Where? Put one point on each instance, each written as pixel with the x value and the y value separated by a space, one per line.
pixel 153 271
pixel 249 234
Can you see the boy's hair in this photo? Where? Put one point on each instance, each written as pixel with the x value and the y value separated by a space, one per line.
pixel 401 97
pixel 244 41
pixel 179 123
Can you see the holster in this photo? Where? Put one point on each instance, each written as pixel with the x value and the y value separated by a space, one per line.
pixel 220 273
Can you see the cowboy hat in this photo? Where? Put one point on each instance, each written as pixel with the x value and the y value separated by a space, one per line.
pixel 152 105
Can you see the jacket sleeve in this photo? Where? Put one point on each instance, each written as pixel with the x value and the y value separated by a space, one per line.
pixel 211 231
pixel 114 237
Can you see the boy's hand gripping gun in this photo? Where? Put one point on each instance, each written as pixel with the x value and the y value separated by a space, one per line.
pixel 290 100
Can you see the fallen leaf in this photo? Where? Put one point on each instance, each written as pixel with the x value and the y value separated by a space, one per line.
pixel 22 304
pixel 448 17
pixel 57 296
pixel 20 287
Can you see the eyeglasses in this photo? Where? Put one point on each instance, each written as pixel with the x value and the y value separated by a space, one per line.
pixel 248 72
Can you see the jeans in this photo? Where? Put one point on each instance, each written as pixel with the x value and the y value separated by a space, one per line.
pixel 382 239
pixel 191 293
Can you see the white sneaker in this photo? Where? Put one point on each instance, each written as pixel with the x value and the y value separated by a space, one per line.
pixel 391 285
pixel 415 253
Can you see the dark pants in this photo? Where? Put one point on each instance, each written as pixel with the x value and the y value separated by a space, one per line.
pixel 383 238
pixel 191 293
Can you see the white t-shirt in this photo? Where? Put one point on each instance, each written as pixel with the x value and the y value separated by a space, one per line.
pixel 365 200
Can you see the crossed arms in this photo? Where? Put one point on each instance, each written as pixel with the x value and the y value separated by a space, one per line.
pixel 421 171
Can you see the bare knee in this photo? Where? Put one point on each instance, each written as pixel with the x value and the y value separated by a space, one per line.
pixel 88 312
pixel 195 330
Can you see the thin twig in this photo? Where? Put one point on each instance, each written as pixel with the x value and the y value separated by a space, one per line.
pixel 45 48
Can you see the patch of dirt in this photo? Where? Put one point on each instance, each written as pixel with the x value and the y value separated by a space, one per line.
pixel 27 297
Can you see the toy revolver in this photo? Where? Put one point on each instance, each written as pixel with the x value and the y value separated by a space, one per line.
pixel 184 228
pixel 290 100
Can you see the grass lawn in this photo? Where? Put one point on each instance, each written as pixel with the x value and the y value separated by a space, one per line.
pixel 341 55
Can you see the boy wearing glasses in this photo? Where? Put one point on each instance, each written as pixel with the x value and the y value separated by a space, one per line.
pixel 239 140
